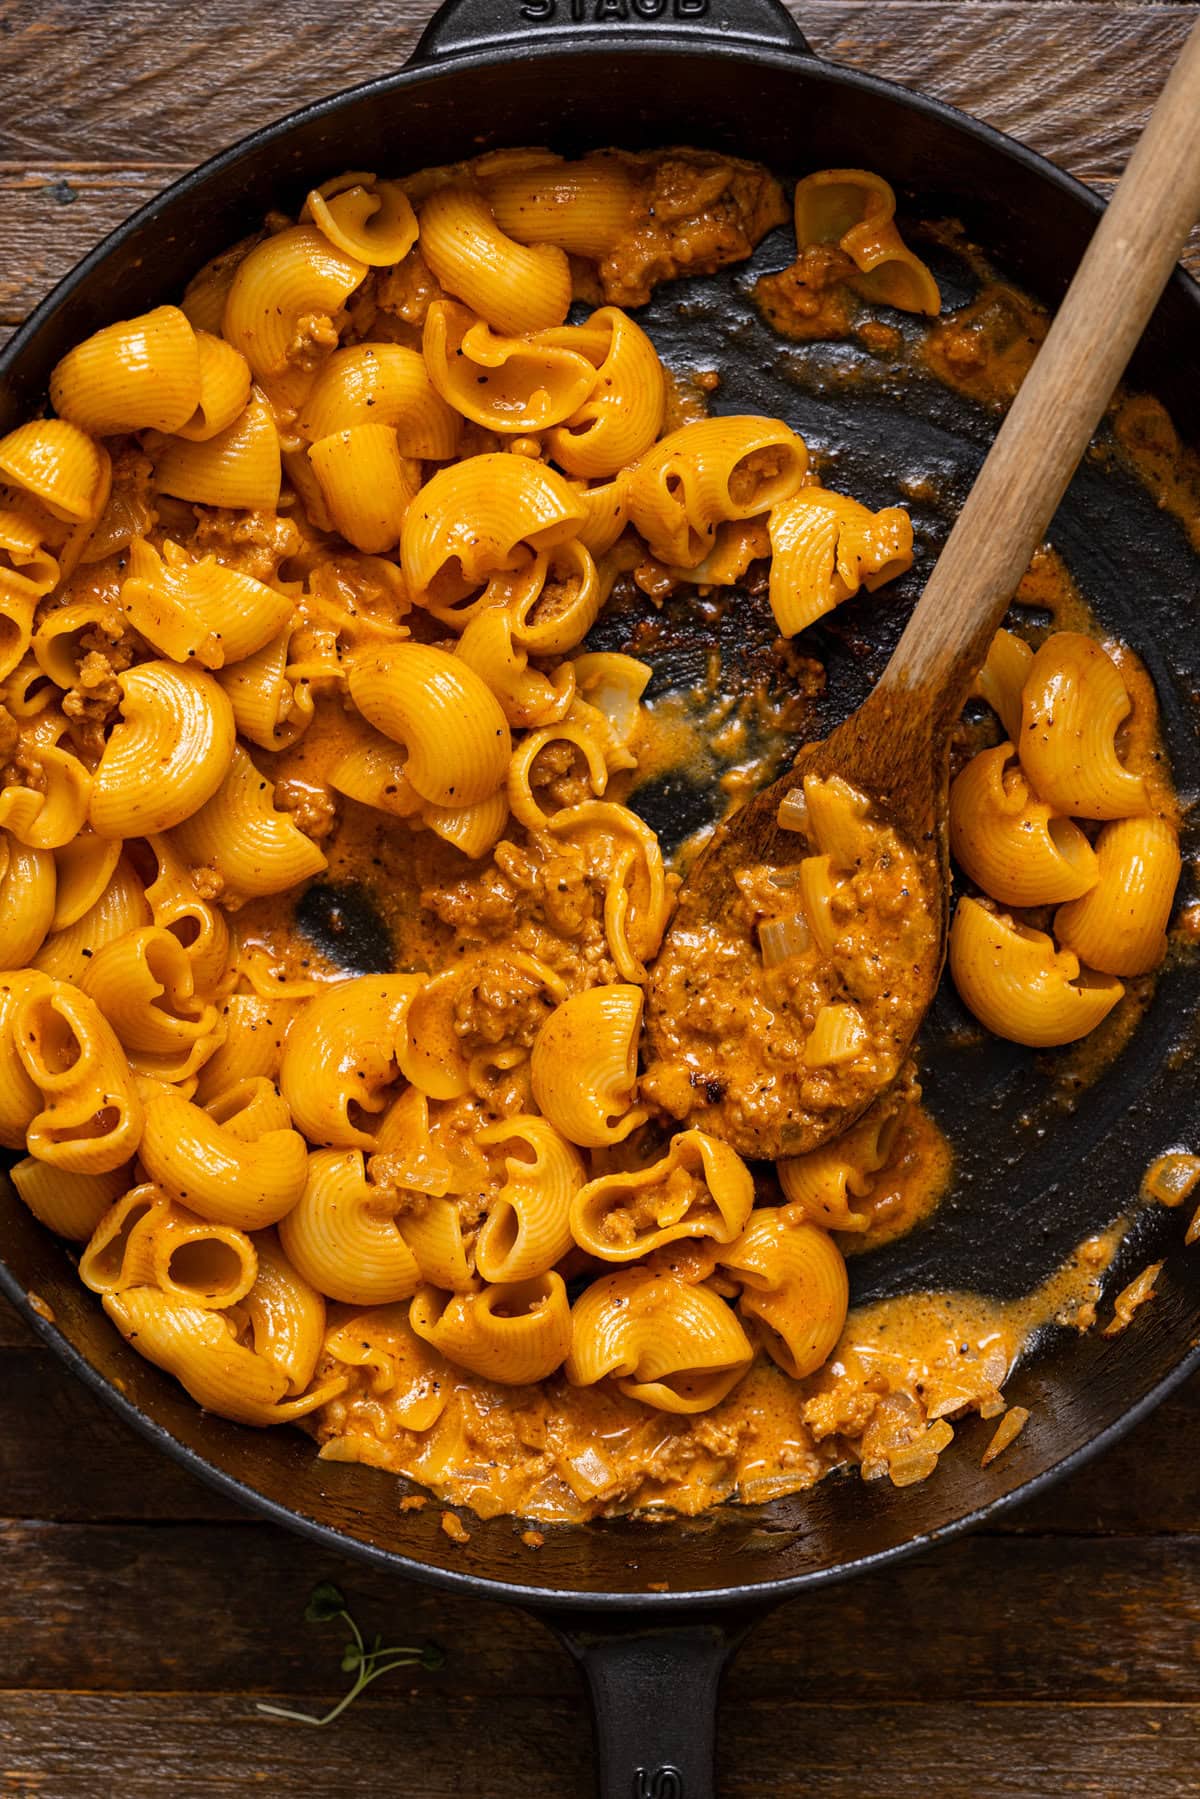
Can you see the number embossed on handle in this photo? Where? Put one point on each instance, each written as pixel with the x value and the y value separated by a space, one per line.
pixel 602 12
pixel 658 1783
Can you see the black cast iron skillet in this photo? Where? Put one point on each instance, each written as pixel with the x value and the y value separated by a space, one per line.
pixel 1033 1175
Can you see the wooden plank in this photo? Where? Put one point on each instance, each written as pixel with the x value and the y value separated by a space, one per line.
pixel 75 1746
pixel 1076 85
pixel 176 81
pixel 793 1749
pixel 53 215
pixel 69 1586
pixel 1011 1620
pixel 256 1581
pixel 429 1742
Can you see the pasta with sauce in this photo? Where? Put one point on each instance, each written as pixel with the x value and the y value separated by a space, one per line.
pixel 297 582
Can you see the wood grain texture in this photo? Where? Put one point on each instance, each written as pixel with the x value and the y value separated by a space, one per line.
pixel 134 82
pixel 69 1587
pixel 196 1746
pixel 1055 1654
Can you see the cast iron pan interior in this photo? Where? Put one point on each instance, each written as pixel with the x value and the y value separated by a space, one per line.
pixel 1031 1179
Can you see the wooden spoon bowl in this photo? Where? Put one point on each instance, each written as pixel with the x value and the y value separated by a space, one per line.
pixel 749 1084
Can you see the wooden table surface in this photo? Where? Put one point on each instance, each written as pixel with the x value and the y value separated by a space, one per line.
pixel 139 1616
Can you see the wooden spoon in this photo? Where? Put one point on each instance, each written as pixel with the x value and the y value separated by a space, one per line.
pixel 895 748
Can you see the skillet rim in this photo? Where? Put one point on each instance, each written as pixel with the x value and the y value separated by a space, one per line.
pixel 761 1593
pixel 424 70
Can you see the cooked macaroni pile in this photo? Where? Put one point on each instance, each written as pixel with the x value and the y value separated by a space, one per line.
pixel 295 580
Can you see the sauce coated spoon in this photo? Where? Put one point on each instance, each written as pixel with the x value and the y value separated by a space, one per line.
pixel 895 749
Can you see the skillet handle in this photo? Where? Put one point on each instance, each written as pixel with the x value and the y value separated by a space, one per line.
pixel 460 26
pixel 654 1702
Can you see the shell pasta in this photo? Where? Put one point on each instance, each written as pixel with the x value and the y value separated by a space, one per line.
pixel 329 908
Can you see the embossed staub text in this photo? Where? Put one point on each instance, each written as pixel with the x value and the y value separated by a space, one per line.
pixel 600 12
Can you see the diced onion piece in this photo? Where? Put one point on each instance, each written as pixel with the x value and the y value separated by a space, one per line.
pixel 917 1461
pixel 793 810
pixel 765 1487
pixel 1139 1290
pixel 587 1474
pixel 838 1035
pixel 1009 1427
pixel 779 938
pixel 1172 1178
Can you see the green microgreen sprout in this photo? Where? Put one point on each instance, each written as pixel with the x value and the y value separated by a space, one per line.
pixel 365 1662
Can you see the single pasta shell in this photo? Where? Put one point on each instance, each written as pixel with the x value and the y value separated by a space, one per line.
pixel 516 288
pixel 1009 842
pixel 341 1240
pixel 794 1286
pixel 371 221
pixel 1019 986
pixel 511 1334
pixel 169 754
pixel 456 735
pixel 240 467
pixel 584 1065
pixel 140 374
pixel 1073 702
pixel 1119 926
pixel 60 466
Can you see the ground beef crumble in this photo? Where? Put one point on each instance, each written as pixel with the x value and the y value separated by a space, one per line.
pixel 92 704
pixel 810 299
pixel 409 289
pixel 315 338
pixel 255 543
pixel 312 809
pixel 24 769
pixel 697 212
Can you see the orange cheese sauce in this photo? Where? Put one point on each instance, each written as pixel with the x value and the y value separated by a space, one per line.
pixel 906 1191
pixel 1148 443
pixel 884 1403
pixel 986 349
pixel 732 743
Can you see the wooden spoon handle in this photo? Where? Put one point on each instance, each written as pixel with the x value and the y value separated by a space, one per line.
pixel 1059 405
